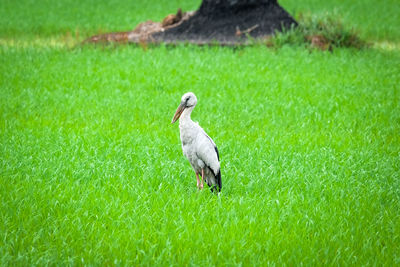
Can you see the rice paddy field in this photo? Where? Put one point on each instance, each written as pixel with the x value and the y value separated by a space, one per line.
pixel 92 171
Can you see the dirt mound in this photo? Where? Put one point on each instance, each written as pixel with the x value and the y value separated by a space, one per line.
pixel 224 22
pixel 229 25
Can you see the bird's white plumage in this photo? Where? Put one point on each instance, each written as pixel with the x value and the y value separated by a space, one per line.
pixel 197 146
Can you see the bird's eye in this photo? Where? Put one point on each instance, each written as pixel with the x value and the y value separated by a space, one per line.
pixel 187 99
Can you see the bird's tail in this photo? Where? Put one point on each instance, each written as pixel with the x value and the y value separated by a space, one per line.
pixel 215 182
pixel 219 182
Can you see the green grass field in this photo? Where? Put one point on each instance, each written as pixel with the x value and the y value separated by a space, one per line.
pixel 92 171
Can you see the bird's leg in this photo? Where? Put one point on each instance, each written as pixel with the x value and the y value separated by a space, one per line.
pixel 202 179
pixel 198 180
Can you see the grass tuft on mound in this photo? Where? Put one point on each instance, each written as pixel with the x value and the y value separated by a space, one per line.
pixel 325 32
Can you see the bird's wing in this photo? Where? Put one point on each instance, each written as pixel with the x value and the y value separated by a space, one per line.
pixel 207 151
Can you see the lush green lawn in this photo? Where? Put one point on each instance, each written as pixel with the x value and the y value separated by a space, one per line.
pixel 91 170
pixel 374 20
pixel 47 17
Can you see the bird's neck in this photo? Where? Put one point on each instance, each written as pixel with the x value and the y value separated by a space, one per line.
pixel 185 117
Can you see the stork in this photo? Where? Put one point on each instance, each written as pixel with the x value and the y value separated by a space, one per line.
pixel 197 146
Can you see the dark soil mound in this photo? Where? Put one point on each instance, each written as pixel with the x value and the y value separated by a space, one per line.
pixel 217 21
pixel 226 22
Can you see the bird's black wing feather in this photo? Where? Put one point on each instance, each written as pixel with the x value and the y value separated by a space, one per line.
pixel 216 150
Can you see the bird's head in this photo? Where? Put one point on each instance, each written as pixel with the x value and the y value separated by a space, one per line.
pixel 189 100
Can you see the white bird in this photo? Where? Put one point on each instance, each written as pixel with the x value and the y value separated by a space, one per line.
pixel 197 146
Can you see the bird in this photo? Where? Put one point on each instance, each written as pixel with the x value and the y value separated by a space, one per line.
pixel 197 146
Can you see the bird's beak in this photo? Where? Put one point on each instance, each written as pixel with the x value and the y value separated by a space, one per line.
pixel 178 112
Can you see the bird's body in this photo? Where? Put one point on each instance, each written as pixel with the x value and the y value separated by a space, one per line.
pixel 197 146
